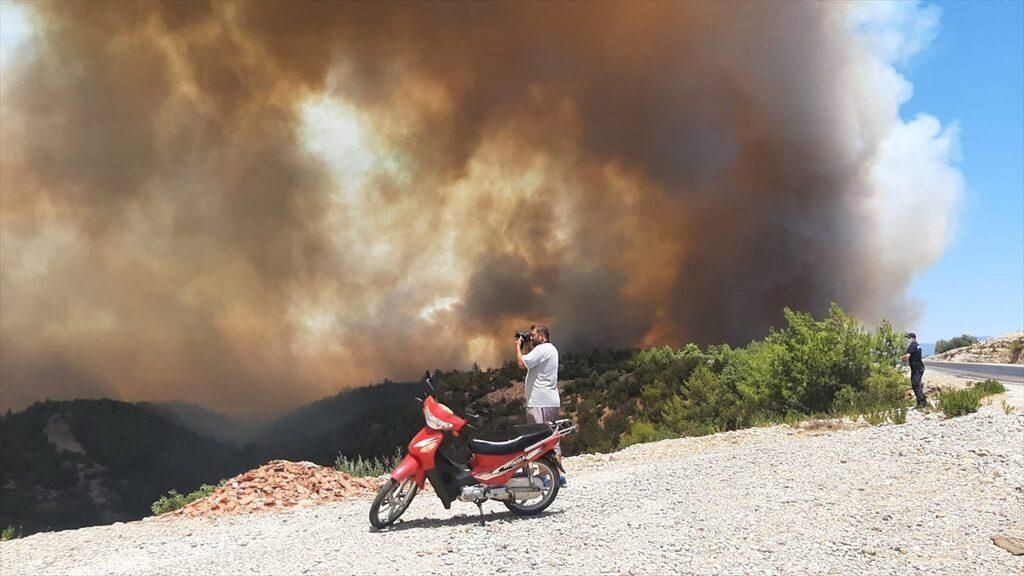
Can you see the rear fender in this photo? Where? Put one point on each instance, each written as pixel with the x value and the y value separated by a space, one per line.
pixel 409 467
pixel 545 448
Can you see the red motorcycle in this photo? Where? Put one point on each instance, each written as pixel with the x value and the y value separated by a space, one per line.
pixel 519 470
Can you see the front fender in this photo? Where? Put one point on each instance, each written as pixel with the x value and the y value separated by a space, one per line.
pixel 409 467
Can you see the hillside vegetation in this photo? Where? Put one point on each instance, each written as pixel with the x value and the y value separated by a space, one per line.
pixel 831 366
pixel 954 343
pixel 132 455
pixel 76 463
pixel 999 350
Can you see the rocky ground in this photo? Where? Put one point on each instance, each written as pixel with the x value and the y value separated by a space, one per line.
pixel 920 498
pixel 279 484
pixel 1001 350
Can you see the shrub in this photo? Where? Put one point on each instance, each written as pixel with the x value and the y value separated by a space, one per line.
pixel 959 402
pixel 371 467
pixel 953 343
pixel 967 400
pixel 706 404
pixel 9 533
pixel 172 500
pixel 874 417
pixel 988 388
pixel 882 391
pixel 803 367
pixel 877 417
pixel 643 431
pixel 898 415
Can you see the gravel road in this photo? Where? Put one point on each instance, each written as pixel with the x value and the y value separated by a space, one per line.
pixel 919 498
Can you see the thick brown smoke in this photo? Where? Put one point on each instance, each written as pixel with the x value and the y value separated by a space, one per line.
pixel 250 205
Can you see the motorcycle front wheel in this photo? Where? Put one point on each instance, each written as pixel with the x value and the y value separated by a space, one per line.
pixel 391 501
pixel 545 469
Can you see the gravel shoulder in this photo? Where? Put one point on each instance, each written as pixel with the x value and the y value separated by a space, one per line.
pixel 919 498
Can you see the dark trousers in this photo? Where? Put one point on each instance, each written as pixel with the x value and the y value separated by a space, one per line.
pixel 916 373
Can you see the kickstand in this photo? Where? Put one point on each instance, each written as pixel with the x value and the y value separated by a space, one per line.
pixel 480 507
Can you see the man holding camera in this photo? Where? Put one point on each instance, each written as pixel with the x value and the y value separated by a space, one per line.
pixel 913 358
pixel 541 363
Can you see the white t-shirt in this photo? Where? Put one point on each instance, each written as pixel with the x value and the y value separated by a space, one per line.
pixel 542 377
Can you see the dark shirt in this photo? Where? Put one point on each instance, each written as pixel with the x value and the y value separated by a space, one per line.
pixel 914 349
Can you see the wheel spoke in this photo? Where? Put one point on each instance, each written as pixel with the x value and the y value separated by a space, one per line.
pixel 541 472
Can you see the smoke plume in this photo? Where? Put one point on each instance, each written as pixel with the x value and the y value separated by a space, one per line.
pixel 252 205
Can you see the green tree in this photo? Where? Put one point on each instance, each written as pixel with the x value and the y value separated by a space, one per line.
pixel 953 343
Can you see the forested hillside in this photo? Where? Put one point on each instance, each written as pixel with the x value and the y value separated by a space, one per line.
pixel 75 463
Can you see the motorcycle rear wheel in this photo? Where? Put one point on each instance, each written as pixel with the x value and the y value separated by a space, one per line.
pixel 391 501
pixel 545 468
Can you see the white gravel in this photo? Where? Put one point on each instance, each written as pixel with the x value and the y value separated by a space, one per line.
pixel 920 498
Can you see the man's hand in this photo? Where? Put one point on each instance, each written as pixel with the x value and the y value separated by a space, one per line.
pixel 519 353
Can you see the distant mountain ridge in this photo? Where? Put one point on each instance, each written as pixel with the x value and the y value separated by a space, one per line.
pixel 67 464
pixel 234 431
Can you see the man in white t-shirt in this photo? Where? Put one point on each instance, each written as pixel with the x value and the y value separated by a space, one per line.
pixel 541 363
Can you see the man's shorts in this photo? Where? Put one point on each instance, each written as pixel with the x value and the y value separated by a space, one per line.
pixel 543 416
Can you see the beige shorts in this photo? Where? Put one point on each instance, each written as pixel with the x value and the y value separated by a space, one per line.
pixel 543 416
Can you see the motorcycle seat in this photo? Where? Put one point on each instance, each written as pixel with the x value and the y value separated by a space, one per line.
pixel 520 439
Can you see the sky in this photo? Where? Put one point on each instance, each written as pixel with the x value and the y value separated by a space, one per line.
pixel 973 74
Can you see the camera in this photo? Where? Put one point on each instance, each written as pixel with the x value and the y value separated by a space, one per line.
pixel 523 335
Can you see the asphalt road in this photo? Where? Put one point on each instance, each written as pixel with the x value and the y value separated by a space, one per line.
pixel 1006 373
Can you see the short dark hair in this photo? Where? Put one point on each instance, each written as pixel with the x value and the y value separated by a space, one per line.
pixel 542 329
pixel 911 335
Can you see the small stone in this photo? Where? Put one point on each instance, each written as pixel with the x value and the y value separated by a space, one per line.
pixel 1011 544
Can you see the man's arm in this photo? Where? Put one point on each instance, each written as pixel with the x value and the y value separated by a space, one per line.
pixel 519 354
pixel 906 357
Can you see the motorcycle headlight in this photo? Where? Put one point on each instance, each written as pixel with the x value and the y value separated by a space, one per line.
pixel 433 421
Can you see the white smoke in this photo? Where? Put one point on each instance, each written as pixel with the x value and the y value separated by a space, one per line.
pixel 915 186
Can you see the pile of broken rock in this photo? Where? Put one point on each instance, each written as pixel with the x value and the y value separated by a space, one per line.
pixel 276 485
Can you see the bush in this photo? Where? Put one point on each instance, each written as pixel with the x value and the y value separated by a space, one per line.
pixel 9 533
pixel 953 343
pixel 878 417
pixel 370 467
pixel 705 405
pixel 988 388
pixel 172 500
pixel 959 402
pixel 967 400
pixel 882 391
pixel 803 367
pixel 643 431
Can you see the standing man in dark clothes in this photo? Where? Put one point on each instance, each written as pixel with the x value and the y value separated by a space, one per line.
pixel 913 358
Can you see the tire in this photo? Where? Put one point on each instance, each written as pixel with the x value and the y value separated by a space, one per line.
pixel 520 508
pixel 394 497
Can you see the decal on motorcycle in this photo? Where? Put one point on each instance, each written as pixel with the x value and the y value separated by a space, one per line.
pixel 515 462
pixel 511 464
pixel 426 445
